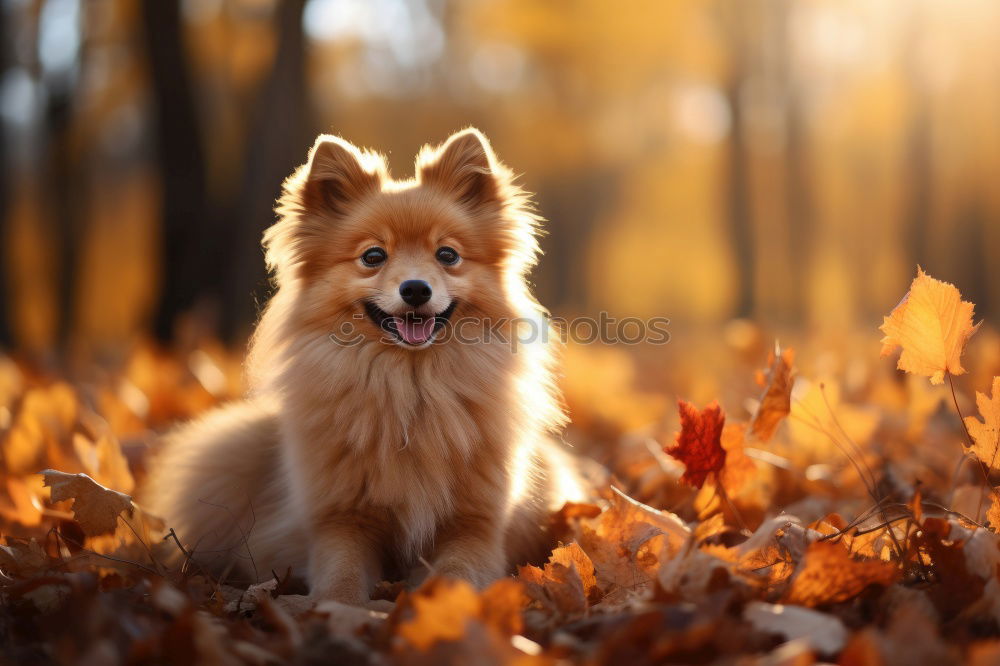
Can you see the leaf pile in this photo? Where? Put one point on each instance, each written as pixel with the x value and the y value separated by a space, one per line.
pixel 838 512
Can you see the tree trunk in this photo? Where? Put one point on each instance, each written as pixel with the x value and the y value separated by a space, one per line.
pixel 184 241
pixel 278 139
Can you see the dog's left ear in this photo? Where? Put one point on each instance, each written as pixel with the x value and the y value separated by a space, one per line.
pixel 464 166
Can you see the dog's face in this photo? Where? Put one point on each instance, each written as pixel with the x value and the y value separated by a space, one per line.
pixel 383 260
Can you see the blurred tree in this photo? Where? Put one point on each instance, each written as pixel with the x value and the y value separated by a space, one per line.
pixel 280 132
pixel 738 27
pixel 6 312
pixel 185 246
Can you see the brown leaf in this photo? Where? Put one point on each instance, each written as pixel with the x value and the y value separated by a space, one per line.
pixel 828 574
pixel 22 557
pixel 698 444
pixel 775 404
pixel 95 507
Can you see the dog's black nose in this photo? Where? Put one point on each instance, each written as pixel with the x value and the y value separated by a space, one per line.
pixel 415 292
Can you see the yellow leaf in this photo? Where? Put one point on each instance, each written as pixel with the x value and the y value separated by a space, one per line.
pixel 986 433
pixel 931 324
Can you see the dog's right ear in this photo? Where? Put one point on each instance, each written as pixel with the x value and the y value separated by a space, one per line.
pixel 338 173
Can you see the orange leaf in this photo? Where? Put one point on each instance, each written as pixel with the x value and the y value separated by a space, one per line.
pixel 568 581
pixel 776 401
pixel 739 468
pixel 828 574
pixel 442 608
pixel 931 324
pixel 993 515
pixel 502 606
pixel 699 444
pixel 986 433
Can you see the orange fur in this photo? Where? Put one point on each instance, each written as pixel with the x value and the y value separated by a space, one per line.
pixel 351 463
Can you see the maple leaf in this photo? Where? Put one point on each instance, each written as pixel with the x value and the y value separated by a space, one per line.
pixel 986 433
pixel 828 574
pixel 931 324
pixel 95 507
pixel 776 402
pixel 699 442
pixel 568 580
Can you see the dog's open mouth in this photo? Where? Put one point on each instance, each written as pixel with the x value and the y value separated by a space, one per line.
pixel 409 328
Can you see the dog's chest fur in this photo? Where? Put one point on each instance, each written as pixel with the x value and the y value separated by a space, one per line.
pixel 401 442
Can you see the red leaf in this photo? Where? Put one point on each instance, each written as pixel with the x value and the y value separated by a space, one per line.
pixel 699 443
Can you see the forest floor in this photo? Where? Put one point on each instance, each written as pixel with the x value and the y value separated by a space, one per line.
pixel 837 510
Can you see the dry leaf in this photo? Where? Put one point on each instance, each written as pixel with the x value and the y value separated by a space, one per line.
pixel 698 444
pixel 442 608
pixel 993 515
pixel 828 574
pixel 95 507
pixel 824 633
pixel 503 604
pixel 738 468
pixel 986 433
pixel 22 557
pixel 931 324
pixel 568 580
pixel 616 541
pixel 775 404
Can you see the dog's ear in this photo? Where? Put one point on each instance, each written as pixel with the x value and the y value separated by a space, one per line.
pixel 338 173
pixel 465 166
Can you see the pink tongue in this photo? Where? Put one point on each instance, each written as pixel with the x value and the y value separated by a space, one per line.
pixel 415 331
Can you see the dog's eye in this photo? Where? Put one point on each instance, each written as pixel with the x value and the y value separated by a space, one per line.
pixel 374 256
pixel 447 256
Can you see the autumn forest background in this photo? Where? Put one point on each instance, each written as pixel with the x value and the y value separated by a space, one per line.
pixel 699 160
pixel 760 172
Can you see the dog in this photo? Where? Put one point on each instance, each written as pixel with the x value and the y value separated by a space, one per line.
pixel 402 418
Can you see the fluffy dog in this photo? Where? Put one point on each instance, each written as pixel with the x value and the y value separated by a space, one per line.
pixel 402 398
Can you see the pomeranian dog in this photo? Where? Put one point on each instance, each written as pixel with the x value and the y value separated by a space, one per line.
pixel 402 397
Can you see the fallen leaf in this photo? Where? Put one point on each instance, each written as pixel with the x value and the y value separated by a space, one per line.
pixel 824 633
pixel 503 604
pixel 828 574
pixel 698 444
pixel 95 507
pixel 442 608
pixel 22 557
pixel 616 541
pixel 568 580
pixel 775 404
pixel 986 433
pixel 738 468
pixel 931 325
pixel 993 515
